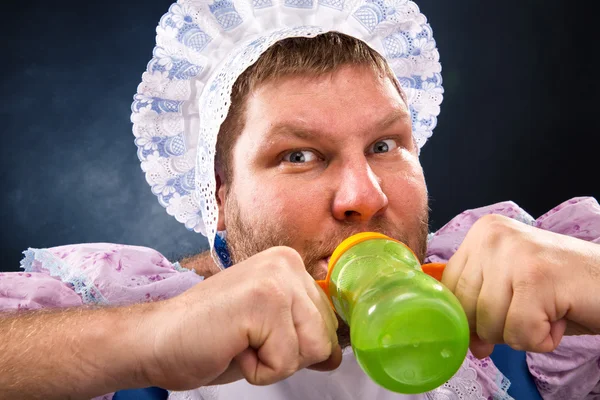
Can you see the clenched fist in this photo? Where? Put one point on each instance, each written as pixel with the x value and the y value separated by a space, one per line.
pixel 262 319
pixel 524 286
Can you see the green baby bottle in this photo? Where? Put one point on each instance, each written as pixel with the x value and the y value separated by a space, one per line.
pixel 409 333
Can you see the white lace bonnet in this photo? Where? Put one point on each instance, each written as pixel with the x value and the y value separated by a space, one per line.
pixel 202 46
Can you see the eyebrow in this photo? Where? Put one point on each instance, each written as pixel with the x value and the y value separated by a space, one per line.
pixel 287 129
pixel 397 115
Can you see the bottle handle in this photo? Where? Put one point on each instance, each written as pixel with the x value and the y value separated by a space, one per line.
pixel 435 270
pixel 323 285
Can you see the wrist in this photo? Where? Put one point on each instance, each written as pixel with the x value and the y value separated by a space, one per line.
pixel 139 328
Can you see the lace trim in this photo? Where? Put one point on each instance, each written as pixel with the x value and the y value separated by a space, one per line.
pixel 464 386
pixel 503 385
pixel 188 395
pixel 36 260
pixel 177 267
pixel 185 92
pixel 27 261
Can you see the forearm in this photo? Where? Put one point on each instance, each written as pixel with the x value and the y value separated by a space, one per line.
pixel 581 283
pixel 76 353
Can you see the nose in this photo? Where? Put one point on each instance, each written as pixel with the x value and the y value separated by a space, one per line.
pixel 359 196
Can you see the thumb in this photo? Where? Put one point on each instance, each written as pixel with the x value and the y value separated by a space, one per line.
pixel 248 364
pixel 557 331
pixel 552 340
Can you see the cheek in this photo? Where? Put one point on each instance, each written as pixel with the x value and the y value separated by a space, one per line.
pixel 291 204
pixel 266 201
pixel 406 190
pixel 295 200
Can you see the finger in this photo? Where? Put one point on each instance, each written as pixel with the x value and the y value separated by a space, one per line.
pixel 335 359
pixel 454 269
pixel 328 314
pixel 248 363
pixel 480 348
pixel 467 290
pixel 316 333
pixel 331 322
pixel 492 305
pixel 528 326
pixel 277 350
pixel 558 329
pixel 326 304
pixel 331 363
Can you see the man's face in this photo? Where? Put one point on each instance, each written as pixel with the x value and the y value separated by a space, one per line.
pixel 322 158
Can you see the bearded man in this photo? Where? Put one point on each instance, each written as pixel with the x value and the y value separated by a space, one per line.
pixel 277 148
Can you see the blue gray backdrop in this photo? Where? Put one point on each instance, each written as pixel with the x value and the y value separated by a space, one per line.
pixel 517 123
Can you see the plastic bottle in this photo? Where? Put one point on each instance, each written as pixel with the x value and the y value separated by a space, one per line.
pixel 409 333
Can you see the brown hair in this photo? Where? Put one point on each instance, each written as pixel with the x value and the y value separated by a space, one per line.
pixel 315 56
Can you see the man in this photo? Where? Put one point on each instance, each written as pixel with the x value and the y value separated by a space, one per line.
pixel 290 174
pixel 304 159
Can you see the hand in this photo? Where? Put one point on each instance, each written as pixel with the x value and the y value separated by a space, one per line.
pixel 524 286
pixel 262 319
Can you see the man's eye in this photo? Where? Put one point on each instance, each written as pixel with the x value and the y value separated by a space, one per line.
pixel 299 156
pixel 384 146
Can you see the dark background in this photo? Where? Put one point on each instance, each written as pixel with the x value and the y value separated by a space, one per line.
pixel 517 123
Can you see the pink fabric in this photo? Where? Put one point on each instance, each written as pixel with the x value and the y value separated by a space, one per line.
pixel 572 371
pixel 103 273
pixel 97 273
pixel 31 291
pixel 106 273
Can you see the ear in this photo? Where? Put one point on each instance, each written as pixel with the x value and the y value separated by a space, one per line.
pixel 221 192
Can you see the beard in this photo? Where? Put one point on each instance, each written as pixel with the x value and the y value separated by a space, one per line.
pixel 245 239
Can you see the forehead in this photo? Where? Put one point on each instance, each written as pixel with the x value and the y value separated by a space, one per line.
pixel 350 100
